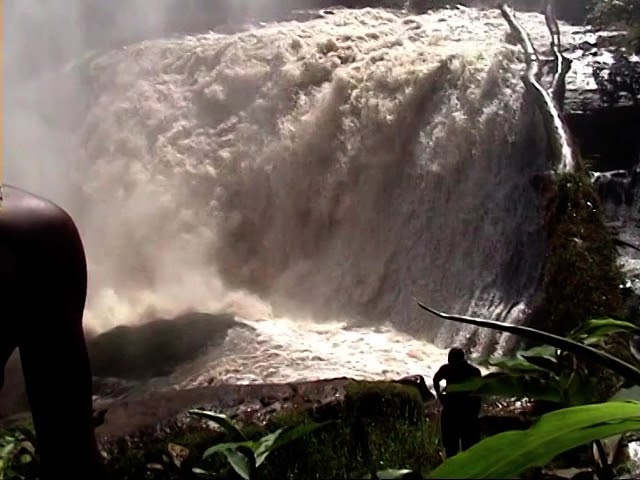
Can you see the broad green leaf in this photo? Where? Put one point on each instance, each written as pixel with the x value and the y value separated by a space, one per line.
pixel 291 434
pixel 514 364
pixel 227 445
pixel 239 455
pixel 543 362
pixel 510 385
pixel 389 474
pixel 594 331
pixel 544 356
pixel 552 434
pixel 615 364
pixel 222 420
pixel 203 473
pixel 546 351
pixel 264 446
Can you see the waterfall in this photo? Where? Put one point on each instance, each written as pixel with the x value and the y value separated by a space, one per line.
pixel 327 171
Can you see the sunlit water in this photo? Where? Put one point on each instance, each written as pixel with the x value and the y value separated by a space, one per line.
pixel 301 173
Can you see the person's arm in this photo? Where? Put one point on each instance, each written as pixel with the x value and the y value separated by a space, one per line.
pixel 437 378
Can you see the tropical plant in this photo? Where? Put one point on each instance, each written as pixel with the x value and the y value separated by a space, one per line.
pixel 548 373
pixel 587 352
pixel 572 429
pixel 553 434
pixel 18 458
pixel 245 456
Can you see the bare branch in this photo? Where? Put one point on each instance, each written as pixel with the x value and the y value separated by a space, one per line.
pixel 562 65
pixel 561 152
pixel 531 55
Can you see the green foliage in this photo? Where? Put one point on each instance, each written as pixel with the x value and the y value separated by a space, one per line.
pixel 551 435
pixel 244 455
pixel 384 400
pixel 581 278
pixel 594 356
pixel 617 14
pixel 547 373
pixel 18 459
pixel 614 13
pixel 393 435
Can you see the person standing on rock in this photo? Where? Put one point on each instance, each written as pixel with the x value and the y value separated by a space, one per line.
pixel 460 410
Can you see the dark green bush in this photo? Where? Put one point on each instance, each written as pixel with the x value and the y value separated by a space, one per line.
pixel 581 277
pixel 380 424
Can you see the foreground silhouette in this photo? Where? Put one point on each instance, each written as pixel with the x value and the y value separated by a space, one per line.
pixel 460 410
pixel 43 280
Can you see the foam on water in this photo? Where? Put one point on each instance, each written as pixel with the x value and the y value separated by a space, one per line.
pixel 302 173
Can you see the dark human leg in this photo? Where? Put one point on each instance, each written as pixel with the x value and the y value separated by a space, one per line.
pixel 450 429
pixel 58 384
pixel 470 435
pixel 471 432
pixel 45 311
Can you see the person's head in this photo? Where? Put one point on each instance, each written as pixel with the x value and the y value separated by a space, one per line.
pixel 456 355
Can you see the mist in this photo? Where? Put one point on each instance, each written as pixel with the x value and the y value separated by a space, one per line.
pixel 45 96
pixel 303 176
pixel 246 170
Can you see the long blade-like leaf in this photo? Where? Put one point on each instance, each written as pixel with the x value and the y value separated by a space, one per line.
pixel 221 447
pixel 509 385
pixel 291 434
pixel 593 331
pixel 239 454
pixel 552 434
pixel 389 474
pixel 615 364
pixel 222 420
pixel 515 365
pixel 264 446
pixel 240 463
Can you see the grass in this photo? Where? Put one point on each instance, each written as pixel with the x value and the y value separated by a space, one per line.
pixel 380 425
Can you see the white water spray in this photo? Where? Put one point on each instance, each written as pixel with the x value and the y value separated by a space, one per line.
pixel 329 170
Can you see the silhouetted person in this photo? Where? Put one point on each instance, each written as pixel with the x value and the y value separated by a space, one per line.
pixel 460 410
pixel 43 282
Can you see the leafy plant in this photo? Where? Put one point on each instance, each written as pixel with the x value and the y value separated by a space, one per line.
pixel 548 373
pixel 622 368
pixel 245 456
pixel 548 359
pixel 552 434
pixel 18 458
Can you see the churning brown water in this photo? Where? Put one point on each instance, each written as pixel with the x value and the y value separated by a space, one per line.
pixel 313 178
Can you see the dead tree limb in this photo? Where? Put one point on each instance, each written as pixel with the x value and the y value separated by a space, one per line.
pixel 562 65
pixel 557 133
pixel 622 243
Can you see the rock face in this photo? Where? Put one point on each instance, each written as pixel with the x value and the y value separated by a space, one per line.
pixel 253 403
pixel 601 103
pixel 156 348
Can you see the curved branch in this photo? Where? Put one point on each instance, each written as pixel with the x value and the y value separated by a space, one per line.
pixel 561 151
pixel 615 364
pixel 562 65
pixel 623 243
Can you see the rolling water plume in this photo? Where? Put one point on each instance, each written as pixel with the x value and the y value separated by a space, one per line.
pixel 310 177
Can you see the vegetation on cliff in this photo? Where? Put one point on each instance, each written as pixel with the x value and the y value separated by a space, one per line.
pixel 617 14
